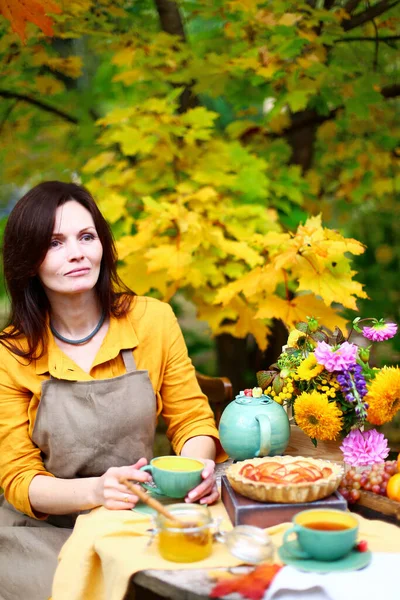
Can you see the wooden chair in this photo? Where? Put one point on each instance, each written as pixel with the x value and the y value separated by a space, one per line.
pixel 218 390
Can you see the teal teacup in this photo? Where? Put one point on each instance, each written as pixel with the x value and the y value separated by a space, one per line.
pixel 174 476
pixel 322 534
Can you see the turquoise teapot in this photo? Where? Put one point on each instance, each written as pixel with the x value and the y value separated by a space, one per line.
pixel 254 426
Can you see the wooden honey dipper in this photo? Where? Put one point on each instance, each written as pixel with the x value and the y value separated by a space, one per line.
pixel 149 500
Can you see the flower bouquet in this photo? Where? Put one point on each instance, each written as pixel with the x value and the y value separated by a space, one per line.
pixel 332 390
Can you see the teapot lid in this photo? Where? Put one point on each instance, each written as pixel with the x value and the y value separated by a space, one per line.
pixel 248 397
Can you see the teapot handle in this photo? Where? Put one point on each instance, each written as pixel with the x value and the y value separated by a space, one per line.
pixel 265 435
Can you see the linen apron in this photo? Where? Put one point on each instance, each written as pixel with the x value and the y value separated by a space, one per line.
pixel 82 428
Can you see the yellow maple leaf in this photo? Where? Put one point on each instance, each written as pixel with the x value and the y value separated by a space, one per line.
pixel 236 319
pixel 289 19
pixel 240 250
pixel 124 57
pixel 308 60
pixel 298 309
pixel 130 77
pixel 169 257
pixel 243 5
pixel 257 281
pixel 204 271
pixel 135 274
pixel 97 163
pixel 336 244
pixel 19 12
pixel 113 206
pixel 332 286
pixel 246 323
pixel 71 66
pixel 47 85
pixel 269 70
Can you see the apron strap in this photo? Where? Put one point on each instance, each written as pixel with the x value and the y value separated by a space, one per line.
pixel 129 361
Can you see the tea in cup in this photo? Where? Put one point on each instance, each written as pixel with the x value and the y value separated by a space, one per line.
pixel 322 534
pixel 174 476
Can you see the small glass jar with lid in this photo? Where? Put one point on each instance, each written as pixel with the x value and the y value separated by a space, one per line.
pixel 190 538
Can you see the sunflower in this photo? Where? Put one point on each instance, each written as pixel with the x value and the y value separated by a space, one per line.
pixel 317 417
pixel 383 396
pixel 309 368
pixel 294 337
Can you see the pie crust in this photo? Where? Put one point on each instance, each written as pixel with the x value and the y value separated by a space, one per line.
pixel 290 493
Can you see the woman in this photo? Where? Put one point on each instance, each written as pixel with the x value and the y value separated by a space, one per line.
pixel 85 368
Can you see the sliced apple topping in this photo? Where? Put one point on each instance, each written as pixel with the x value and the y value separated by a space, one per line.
pixel 299 471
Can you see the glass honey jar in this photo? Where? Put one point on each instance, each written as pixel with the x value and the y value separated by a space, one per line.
pixel 188 540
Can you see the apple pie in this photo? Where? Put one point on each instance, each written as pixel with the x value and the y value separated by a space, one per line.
pixel 285 479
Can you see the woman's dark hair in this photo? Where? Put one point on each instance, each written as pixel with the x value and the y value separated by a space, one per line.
pixel 27 238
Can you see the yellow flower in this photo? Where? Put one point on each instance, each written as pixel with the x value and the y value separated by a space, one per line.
pixel 383 396
pixel 309 368
pixel 294 337
pixel 318 417
pixel 257 392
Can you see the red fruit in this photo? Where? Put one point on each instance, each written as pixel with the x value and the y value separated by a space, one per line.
pixel 248 392
pixel 362 546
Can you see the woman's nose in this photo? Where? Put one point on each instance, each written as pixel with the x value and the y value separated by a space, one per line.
pixel 74 250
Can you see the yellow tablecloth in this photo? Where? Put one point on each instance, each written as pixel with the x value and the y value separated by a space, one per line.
pixel 107 547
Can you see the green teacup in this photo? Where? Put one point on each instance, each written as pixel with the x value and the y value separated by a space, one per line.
pixel 174 476
pixel 322 534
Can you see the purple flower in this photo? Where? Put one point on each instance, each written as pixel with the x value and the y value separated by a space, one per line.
pixel 364 448
pixel 380 331
pixel 338 358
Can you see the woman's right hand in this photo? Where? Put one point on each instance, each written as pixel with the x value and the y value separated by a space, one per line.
pixel 114 495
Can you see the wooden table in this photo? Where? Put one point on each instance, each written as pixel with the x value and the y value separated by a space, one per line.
pixel 194 584
pixel 190 584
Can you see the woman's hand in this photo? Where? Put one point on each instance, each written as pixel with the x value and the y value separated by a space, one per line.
pixel 115 495
pixel 207 490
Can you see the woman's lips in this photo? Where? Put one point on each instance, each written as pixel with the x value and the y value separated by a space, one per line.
pixel 77 272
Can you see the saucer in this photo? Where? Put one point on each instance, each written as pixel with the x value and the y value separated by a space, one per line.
pixel 148 510
pixel 351 562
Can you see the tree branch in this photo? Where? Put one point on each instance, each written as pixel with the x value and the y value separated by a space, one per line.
pixel 171 22
pixel 310 118
pixel 369 14
pixel 386 38
pixel 391 91
pixel 351 5
pixel 170 17
pixel 39 104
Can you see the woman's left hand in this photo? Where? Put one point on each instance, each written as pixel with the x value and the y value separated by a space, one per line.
pixel 207 490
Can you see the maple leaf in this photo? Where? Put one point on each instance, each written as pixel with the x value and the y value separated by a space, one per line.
pixel 298 309
pixel 252 585
pixel 19 12
pixel 260 279
pixel 245 323
pixel 135 274
pixel 332 285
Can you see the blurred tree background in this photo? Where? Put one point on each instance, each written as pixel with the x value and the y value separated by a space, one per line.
pixel 244 153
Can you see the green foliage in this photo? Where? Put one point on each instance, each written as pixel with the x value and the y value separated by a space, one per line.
pixel 294 118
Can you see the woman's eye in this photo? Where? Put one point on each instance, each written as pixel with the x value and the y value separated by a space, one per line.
pixel 54 243
pixel 88 237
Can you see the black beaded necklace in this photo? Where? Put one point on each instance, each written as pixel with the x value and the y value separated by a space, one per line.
pixel 83 340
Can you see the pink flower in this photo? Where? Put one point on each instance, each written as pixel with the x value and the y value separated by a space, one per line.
pixel 364 448
pixel 380 331
pixel 338 358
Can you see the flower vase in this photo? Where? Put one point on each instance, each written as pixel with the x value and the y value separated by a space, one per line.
pixel 301 445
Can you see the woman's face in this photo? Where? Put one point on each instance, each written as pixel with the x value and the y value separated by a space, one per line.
pixel 72 262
